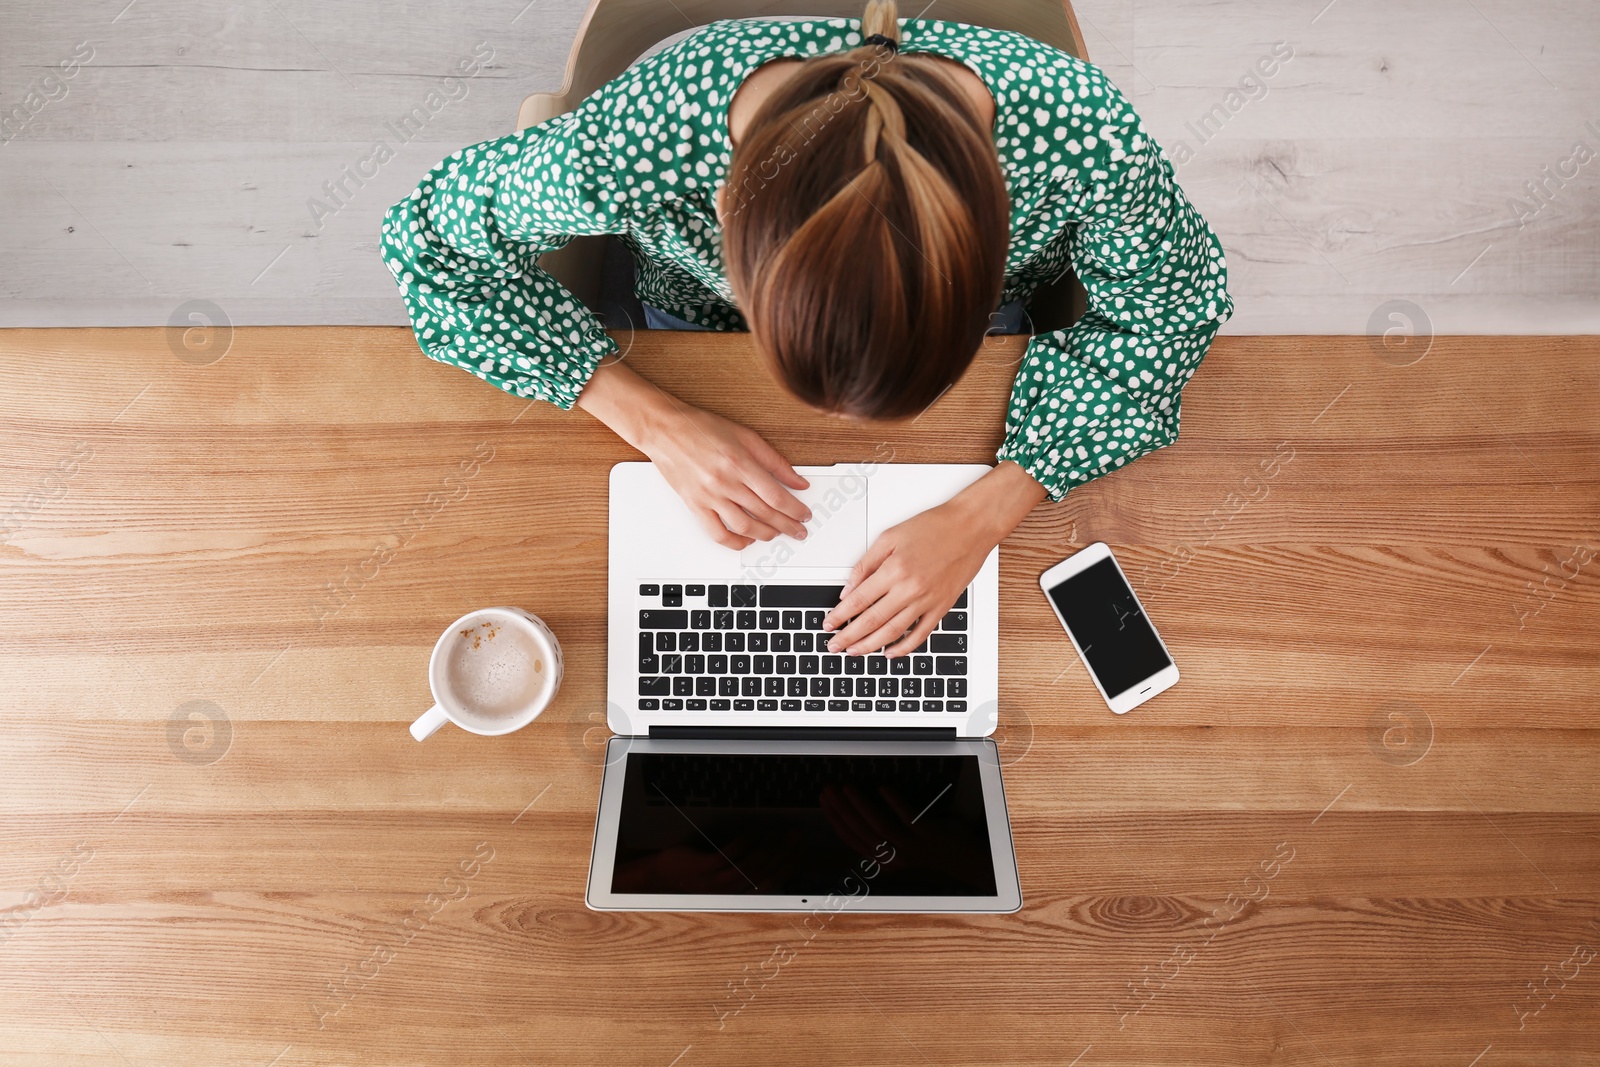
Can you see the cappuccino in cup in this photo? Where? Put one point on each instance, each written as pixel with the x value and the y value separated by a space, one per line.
pixel 493 671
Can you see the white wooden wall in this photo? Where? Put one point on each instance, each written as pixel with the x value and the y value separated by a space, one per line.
pixel 1378 164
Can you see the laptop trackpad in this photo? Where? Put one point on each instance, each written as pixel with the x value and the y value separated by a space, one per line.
pixel 836 534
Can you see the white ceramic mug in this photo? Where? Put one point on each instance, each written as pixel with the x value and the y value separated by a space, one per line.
pixel 493 671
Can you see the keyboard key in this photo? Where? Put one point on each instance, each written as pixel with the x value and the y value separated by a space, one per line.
pixel 769 620
pixel 756 642
pixel 739 664
pixel 666 641
pixel 648 703
pixel 888 687
pixel 789 705
pixel 855 665
pixel 744 705
pixel 796 687
pixel 672 596
pixel 694 590
pixel 728 686
pixel 961 601
pixel 671 704
pixel 900 665
pixel 772 687
pixel 746 620
pixel 809 665
pixel 779 642
pixel 954 620
pixel 672 663
pixel 700 619
pixel 911 687
pixel 933 705
pixel 749 687
pixel 803 642
pixel 838 705
pixel 766 705
pixel 843 687
pixel 785 665
pixel 922 665
pixel 792 620
pixel 951 664
pixel 649 664
pixel 956 687
pixel 761 664
pixel 695 705
pixel 959 706
pixel 948 643
pixel 861 705
pixel 800 596
pixel 654 687
pixel 866 687
pixel 733 641
pixel 816 705
pixel 884 705
pixel 717 596
pixel 933 687
pixel 683 686
pixel 744 596
pixel 694 663
pixel 832 664
pixel 689 642
pixel 658 619
pixel 910 705
pixel 721 705
pixel 820 687
pixel 722 620
pixel 716 664
pixel 814 619
pixel 650 590
pixel 877 665
pixel 711 641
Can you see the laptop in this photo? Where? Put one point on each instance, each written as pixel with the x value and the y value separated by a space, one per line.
pixel 752 770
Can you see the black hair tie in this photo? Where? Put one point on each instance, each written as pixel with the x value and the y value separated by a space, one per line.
pixel 887 42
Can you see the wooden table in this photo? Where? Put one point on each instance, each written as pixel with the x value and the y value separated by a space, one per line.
pixel 1364 823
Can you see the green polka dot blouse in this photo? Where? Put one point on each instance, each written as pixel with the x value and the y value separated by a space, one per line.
pixel 643 159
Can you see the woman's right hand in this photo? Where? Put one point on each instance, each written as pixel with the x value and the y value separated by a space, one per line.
pixel 736 484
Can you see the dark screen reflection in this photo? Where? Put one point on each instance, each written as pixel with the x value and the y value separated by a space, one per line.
pixel 801 824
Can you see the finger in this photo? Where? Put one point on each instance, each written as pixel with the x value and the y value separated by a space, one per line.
pixel 886 633
pixel 878 604
pixel 761 511
pixel 742 523
pixel 919 633
pixel 713 525
pixel 893 798
pixel 773 461
pixel 763 484
pixel 853 598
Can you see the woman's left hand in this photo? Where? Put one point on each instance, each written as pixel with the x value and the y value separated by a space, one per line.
pixel 914 572
pixel 908 579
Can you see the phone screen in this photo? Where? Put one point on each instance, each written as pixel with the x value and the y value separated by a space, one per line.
pixel 1105 618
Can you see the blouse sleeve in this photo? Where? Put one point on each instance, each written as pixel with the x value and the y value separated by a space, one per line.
pixel 1104 392
pixel 464 246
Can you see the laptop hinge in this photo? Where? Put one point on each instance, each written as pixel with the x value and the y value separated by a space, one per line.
pixel 806 733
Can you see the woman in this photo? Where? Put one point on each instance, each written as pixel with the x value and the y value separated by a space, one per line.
pixel 862 197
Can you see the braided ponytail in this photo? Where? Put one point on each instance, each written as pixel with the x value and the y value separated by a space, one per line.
pixel 867 242
pixel 881 20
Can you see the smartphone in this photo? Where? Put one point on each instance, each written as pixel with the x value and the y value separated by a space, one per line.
pixel 1109 628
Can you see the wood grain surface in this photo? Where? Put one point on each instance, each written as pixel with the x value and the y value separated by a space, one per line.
pixel 1364 829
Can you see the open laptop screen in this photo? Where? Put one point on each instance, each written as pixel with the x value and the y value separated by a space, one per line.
pixel 721 824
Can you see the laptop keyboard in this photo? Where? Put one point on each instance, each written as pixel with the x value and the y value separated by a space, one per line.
pixel 734 647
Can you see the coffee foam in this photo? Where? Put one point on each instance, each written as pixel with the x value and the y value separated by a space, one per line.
pixel 494 671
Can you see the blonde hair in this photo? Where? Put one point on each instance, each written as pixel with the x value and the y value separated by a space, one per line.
pixel 868 228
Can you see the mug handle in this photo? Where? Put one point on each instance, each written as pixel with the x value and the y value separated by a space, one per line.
pixel 424 727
